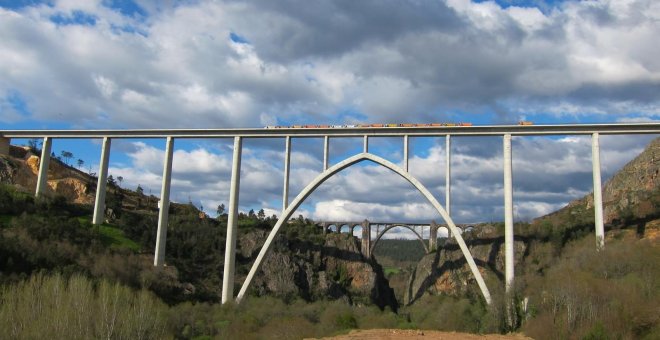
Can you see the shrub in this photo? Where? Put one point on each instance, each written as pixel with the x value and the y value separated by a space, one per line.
pixel 74 308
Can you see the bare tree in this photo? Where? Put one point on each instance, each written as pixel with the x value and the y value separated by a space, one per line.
pixel 66 155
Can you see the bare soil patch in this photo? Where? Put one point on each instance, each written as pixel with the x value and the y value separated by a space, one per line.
pixel 392 334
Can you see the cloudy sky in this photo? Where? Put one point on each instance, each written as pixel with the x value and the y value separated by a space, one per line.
pixel 223 64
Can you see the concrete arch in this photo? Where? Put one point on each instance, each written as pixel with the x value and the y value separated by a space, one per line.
pixel 380 235
pixel 331 172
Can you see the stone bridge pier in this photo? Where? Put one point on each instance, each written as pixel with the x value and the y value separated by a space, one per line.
pixel 433 236
pixel 4 146
pixel 366 239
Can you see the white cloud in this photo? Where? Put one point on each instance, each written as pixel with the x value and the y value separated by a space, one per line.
pixel 381 62
pixel 593 57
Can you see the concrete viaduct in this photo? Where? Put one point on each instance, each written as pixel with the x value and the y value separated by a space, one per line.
pixel 288 208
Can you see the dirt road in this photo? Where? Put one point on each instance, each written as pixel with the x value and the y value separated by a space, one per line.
pixel 392 334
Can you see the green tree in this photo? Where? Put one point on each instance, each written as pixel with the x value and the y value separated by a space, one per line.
pixel 120 179
pixel 221 209
pixel 66 155
pixel 80 163
pixel 139 190
pixel 261 214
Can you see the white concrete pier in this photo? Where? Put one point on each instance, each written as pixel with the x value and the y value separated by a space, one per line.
pixel 287 166
pixel 598 196
pixel 326 152
pixel 99 203
pixel 448 175
pixel 405 152
pixel 232 223
pixel 163 213
pixel 44 161
pixel 508 215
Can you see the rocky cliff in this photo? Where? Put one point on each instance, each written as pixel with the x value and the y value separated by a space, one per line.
pixel 21 167
pixel 446 271
pixel 331 269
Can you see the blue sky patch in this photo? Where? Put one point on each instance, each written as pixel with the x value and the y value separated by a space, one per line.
pixel 18 4
pixel 127 8
pixel 17 102
pixel 542 4
pixel 237 38
pixel 75 18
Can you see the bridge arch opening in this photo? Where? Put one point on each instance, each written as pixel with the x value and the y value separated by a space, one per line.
pixel 312 186
pixel 382 233
pixel 345 229
pixel 332 228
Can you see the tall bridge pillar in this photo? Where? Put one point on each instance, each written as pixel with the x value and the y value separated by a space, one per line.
pixel 508 215
pixel 99 203
pixel 448 176
pixel 163 213
pixel 598 197
pixel 433 236
pixel 4 145
pixel 232 224
pixel 42 178
pixel 366 239
pixel 405 152
pixel 287 165
pixel 326 153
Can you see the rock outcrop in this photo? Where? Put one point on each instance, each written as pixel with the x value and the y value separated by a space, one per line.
pixel 22 167
pixel 446 271
pixel 634 191
pixel 333 270
pixel 632 195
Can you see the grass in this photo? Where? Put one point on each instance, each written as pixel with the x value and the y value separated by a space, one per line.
pixel 115 238
pixel 391 271
pixel 112 237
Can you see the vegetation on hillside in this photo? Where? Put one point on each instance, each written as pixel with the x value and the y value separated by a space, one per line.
pixel 587 294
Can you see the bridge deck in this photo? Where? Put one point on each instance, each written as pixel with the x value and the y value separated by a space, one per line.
pixel 479 130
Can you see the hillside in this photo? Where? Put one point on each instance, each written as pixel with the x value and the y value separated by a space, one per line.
pixel 303 263
pixel 630 197
pixel 549 244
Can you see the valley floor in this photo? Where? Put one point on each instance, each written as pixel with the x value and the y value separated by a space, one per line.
pixel 392 334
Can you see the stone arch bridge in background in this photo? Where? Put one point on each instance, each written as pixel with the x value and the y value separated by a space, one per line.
pixel 369 241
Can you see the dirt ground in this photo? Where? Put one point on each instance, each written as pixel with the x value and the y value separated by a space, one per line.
pixel 392 334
